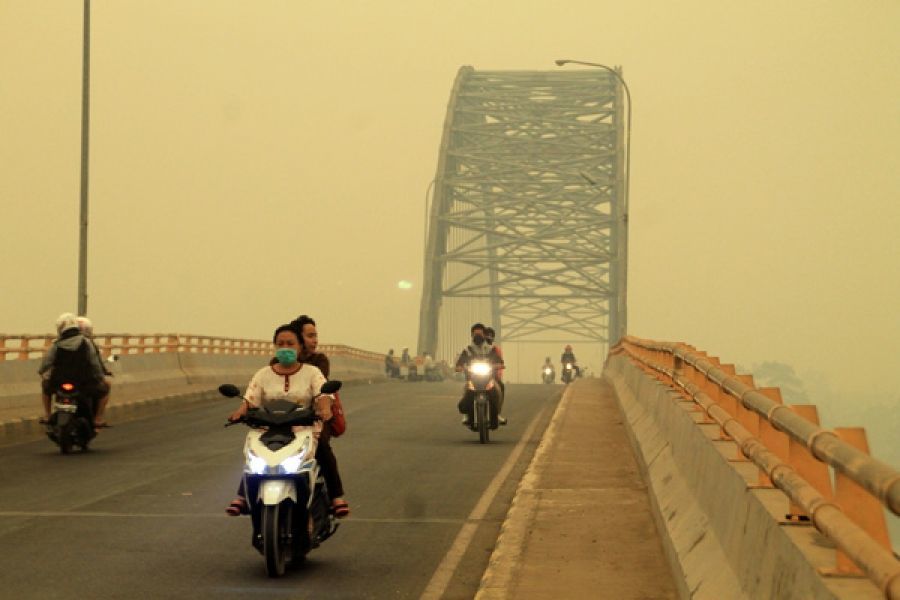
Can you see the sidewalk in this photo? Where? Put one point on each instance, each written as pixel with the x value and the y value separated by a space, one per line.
pixel 580 525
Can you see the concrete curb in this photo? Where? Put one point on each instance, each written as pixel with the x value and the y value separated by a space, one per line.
pixel 505 560
pixel 14 431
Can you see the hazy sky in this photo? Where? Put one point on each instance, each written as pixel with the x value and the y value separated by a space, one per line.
pixel 254 160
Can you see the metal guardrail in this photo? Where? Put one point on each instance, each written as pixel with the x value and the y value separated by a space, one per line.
pixel 24 347
pixel 702 379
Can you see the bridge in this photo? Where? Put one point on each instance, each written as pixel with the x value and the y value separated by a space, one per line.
pixel 671 475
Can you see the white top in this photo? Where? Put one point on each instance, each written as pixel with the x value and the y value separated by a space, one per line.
pixel 301 387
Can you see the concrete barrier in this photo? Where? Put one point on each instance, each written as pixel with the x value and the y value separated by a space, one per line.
pixel 149 384
pixel 723 536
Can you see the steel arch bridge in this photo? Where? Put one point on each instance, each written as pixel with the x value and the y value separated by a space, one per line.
pixel 527 226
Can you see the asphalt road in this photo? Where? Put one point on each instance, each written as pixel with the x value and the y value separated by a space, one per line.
pixel 142 514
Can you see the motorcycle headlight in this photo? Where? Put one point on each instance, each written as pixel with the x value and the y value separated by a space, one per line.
pixel 256 464
pixel 547 371
pixel 568 365
pixel 480 368
pixel 292 464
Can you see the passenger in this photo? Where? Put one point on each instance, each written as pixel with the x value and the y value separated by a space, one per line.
pixel 287 378
pixel 70 358
pixel 489 336
pixel 87 330
pixel 309 339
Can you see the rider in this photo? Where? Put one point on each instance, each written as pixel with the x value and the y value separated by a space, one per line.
pixel 287 378
pixel 87 330
pixel 548 365
pixel 70 358
pixel 479 348
pixel 569 357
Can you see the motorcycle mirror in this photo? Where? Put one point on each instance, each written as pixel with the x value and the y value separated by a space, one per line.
pixel 331 387
pixel 229 390
pixel 112 358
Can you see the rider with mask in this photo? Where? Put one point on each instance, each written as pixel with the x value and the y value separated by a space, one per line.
pixel 478 349
pixel 71 357
pixel 287 378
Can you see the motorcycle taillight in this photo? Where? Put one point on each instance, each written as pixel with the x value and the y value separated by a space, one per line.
pixel 67 387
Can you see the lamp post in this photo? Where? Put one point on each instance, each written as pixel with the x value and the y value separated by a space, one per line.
pixel 623 310
pixel 85 130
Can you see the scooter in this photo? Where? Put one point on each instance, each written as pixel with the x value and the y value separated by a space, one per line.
pixel 484 408
pixel 548 375
pixel 288 500
pixel 71 422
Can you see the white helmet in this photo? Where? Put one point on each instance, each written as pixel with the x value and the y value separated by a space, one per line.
pixel 85 325
pixel 65 322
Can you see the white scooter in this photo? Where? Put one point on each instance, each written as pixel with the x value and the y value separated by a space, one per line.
pixel 289 502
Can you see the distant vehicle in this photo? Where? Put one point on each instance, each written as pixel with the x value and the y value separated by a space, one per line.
pixel 71 423
pixel 547 375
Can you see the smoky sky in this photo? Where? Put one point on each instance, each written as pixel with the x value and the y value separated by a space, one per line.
pixel 254 161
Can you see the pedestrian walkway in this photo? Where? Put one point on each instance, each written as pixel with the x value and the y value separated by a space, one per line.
pixel 581 524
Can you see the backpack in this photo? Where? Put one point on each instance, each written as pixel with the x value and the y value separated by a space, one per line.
pixel 338 422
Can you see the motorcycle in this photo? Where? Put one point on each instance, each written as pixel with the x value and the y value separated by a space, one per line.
pixel 289 504
pixel 484 414
pixel 548 375
pixel 570 372
pixel 71 422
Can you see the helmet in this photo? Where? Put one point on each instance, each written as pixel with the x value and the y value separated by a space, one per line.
pixel 85 325
pixel 65 322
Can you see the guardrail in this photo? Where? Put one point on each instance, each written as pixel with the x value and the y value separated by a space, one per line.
pixel 24 347
pixel 792 451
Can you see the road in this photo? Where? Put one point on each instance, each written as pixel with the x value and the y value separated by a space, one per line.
pixel 142 514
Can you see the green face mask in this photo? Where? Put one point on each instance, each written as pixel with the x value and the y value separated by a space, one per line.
pixel 286 356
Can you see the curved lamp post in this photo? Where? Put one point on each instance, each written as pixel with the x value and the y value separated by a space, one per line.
pixel 618 76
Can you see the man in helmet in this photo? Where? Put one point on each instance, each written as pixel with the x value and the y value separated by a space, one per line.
pixel 70 358
pixel 87 330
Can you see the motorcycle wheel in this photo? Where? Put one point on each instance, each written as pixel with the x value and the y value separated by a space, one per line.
pixel 276 530
pixel 65 438
pixel 483 425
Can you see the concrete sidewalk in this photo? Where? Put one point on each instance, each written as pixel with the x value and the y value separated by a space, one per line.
pixel 581 524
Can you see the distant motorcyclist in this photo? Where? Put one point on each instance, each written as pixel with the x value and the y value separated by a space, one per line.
pixel 71 358
pixel 568 358
pixel 548 372
pixel 478 349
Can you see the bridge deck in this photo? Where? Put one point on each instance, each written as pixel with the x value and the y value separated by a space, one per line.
pixel 582 519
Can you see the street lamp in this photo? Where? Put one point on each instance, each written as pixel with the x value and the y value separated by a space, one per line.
pixel 85 131
pixel 615 73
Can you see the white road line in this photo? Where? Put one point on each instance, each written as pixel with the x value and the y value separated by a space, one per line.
pixel 222 515
pixel 440 580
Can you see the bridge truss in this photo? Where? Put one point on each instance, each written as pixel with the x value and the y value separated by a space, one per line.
pixel 526 229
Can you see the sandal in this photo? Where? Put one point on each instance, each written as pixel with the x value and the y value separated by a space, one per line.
pixel 340 508
pixel 237 507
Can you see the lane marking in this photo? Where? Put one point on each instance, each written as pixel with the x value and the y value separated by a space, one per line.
pixel 103 515
pixel 440 580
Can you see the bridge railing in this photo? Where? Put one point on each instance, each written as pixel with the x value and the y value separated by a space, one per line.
pixel 25 346
pixel 791 452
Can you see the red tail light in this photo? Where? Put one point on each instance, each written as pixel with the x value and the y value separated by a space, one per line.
pixel 67 387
